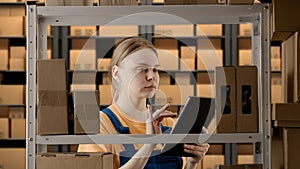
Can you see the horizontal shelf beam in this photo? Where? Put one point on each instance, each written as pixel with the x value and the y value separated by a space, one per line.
pixel 148 15
pixel 142 139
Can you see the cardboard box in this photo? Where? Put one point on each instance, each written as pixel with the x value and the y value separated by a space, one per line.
pixel 282 27
pixel 276 93
pixel 74 160
pixel 245 57
pixel 18 128
pixel 242 166
pixel 174 30
pixel 52 97
pixel 168 94
pixel 5 10
pixel 3 59
pixel 275 52
pixel 13 158
pixel 183 78
pixel 188 52
pixel 205 78
pixel 117 2
pixel 17 64
pixel 82 87
pixel 54 2
pixel 164 79
pixel 286 123
pixel 209 29
pixel 187 64
pixel 17 10
pixel 189 2
pixel 275 64
pixel 166 44
pixel 103 64
pixel 51 75
pixel 4 128
pixel 226 99
pixel 213 161
pixel 106 79
pixel 168 59
pixel 245 29
pixel 4 44
pixel 118 31
pixel 11 26
pixel 12 94
pixel 205 90
pixel 245 159
pixel 4 111
pixel 83 30
pixel 286 111
pixel 74 2
pixel 86 112
pixel 247 99
pixel 209 59
pixel 240 2
pixel 291 147
pixel 105 93
pixel 290 68
pixel 17 52
pixel 52 109
pixel 16 112
pixel 79 77
pixel 82 59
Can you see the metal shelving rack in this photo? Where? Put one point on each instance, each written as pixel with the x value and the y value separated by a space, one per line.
pixel 39 17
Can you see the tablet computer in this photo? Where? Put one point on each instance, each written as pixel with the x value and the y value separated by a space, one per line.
pixel 191 119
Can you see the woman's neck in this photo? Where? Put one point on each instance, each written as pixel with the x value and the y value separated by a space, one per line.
pixel 134 108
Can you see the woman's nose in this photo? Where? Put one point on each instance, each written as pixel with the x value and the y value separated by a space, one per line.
pixel 150 75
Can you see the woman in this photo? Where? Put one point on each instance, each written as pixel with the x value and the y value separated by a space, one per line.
pixel 134 71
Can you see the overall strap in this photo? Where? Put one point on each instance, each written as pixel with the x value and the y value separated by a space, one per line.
pixel 116 122
pixel 119 127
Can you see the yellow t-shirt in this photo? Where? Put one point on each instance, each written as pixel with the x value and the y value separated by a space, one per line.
pixel 106 127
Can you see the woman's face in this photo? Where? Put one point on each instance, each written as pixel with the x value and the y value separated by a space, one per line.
pixel 139 74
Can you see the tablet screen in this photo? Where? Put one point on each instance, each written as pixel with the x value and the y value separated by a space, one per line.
pixel 191 119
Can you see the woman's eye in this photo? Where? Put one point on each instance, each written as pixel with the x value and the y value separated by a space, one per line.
pixel 155 70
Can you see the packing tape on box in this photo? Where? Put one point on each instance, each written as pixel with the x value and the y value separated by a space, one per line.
pixel 52 98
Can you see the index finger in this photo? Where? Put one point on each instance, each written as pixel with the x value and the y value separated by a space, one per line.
pixel 159 111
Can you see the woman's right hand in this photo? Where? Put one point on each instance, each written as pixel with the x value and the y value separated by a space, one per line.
pixel 154 120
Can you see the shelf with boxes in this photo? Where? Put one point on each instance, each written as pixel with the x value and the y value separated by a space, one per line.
pixel 62 16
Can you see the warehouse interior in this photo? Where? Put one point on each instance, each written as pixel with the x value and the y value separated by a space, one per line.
pixel 54 77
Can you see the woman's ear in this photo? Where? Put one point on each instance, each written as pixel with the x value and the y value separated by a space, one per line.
pixel 115 73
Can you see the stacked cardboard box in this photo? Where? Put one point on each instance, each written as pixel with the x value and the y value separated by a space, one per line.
pixel 74 160
pixel 86 112
pixel 17 58
pixel 240 2
pixel 242 166
pixel 286 114
pixel 291 146
pixel 282 28
pixel 237 99
pixel 117 2
pixel 11 26
pixel 291 68
pixel 190 2
pixel 68 2
pixel 52 97
pixel 12 158
pixel 82 59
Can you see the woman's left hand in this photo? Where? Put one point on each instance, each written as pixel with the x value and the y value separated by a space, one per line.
pixel 199 150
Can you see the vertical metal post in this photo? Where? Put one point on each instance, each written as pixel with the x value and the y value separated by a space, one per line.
pixel 265 77
pixel 31 20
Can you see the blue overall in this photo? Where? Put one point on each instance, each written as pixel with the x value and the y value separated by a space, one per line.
pixel 155 161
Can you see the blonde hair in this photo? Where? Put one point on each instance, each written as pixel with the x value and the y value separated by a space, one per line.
pixel 122 49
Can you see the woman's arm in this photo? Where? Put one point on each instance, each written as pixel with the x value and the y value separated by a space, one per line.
pixel 199 150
